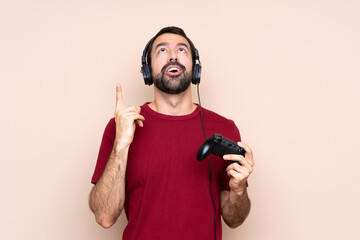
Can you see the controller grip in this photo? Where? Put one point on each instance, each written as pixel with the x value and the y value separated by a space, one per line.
pixel 219 146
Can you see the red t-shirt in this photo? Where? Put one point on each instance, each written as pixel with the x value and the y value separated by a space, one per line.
pixel 167 193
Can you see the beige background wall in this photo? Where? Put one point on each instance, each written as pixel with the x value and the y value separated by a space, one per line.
pixel 286 71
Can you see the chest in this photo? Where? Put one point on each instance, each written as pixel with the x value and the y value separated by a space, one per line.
pixel 167 152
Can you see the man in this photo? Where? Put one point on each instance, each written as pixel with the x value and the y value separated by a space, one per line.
pixel 147 161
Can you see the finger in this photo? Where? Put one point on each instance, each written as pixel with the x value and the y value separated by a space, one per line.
pixel 232 174
pixel 245 147
pixel 123 112
pixel 236 166
pixel 129 109
pixel 245 169
pixel 132 116
pixel 237 176
pixel 119 97
pixel 241 174
pixel 249 153
pixel 140 123
pixel 236 157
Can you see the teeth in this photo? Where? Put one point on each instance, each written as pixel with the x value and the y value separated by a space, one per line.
pixel 173 69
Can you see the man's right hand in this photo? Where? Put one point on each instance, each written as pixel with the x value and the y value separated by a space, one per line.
pixel 126 119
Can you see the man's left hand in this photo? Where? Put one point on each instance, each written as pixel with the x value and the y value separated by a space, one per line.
pixel 239 174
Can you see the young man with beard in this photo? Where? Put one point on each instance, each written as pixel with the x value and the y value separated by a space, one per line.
pixel 147 160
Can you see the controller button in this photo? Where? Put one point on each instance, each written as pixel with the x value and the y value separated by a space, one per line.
pixel 217 138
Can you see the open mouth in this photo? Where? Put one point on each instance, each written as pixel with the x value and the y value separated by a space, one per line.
pixel 173 70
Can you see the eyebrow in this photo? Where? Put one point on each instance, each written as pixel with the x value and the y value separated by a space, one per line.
pixel 166 44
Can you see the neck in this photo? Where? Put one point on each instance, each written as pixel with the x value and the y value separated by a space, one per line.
pixel 173 104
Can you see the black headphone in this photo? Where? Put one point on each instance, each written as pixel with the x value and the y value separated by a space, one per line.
pixel 146 69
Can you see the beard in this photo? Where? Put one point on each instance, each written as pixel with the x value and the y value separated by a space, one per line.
pixel 172 84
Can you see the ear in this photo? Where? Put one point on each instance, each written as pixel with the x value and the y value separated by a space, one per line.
pixel 146 72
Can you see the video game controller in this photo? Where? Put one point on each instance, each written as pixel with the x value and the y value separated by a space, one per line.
pixel 219 146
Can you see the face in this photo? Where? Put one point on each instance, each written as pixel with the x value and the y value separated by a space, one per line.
pixel 171 63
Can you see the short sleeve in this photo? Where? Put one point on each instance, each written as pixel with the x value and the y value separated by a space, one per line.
pixel 105 150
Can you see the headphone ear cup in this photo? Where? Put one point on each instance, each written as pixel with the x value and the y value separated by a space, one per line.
pixel 196 74
pixel 145 70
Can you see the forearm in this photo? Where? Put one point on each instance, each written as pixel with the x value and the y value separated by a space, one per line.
pixel 235 207
pixel 108 195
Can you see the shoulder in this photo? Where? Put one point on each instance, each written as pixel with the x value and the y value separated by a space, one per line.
pixel 215 117
pixel 111 124
pixel 110 129
pixel 216 123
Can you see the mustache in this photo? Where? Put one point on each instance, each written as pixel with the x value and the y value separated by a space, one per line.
pixel 173 64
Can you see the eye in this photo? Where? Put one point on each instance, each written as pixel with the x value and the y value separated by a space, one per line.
pixel 182 50
pixel 162 50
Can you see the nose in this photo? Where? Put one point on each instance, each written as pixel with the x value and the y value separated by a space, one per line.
pixel 173 57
